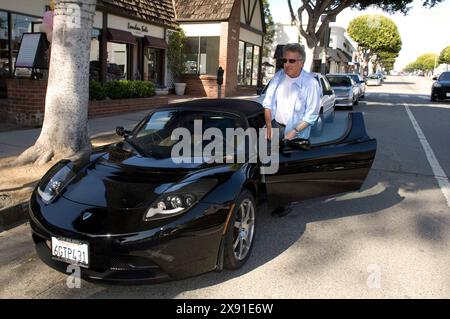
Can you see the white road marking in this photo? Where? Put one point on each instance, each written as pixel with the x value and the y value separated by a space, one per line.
pixel 438 172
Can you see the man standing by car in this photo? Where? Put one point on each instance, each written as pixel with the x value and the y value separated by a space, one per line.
pixel 292 102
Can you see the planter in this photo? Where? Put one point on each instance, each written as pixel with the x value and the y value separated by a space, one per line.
pixel 162 91
pixel 180 88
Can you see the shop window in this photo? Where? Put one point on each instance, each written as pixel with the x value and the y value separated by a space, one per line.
pixel 191 55
pixel 201 55
pixel 240 67
pixel 255 66
pixel 20 25
pixel 248 64
pixel 94 64
pixel 4 47
pixel 4 53
pixel 153 65
pixel 118 57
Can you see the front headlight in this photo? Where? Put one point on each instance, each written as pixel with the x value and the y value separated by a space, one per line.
pixel 179 198
pixel 57 178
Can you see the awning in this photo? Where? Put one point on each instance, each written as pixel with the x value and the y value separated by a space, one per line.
pixel 152 42
pixel 332 54
pixel 343 57
pixel 120 36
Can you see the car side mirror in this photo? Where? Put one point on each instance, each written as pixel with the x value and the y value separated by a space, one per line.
pixel 122 132
pixel 434 78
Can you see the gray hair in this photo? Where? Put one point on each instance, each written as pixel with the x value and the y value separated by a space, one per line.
pixel 295 47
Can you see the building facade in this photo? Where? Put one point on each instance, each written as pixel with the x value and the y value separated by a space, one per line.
pixel 225 33
pixel 128 38
pixel 334 52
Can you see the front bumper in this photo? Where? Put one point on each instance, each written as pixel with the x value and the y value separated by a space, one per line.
pixel 441 92
pixel 344 101
pixel 184 247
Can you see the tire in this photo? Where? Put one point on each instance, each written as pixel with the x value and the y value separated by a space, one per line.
pixel 433 98
pixel 234 257
pixel 356 102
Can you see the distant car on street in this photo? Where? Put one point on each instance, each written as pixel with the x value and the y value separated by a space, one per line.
pixel 346 90
pixel 441 87
pixel 373 79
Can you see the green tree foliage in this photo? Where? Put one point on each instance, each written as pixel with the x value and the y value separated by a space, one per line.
pixel 177 41
pixel 378 36
pixel 425 62
pixel 325 11
pixel 270 29
pixel 376 33
pixel 387 59
pixel 444 57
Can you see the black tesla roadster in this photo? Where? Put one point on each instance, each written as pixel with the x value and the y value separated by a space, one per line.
pixel 132 213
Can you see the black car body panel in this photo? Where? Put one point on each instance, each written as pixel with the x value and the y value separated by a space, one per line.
pixel 105 203
pixel 441 87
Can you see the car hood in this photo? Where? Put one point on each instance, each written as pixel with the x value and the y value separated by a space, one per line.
pixel 444 83
pixel 120 179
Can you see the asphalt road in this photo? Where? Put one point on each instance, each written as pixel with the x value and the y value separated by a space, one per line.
pixel 389 240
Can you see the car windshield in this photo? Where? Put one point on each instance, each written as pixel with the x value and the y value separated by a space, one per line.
pixel 153 136
pixel 354 77
pixel 445 76
pixel 339 81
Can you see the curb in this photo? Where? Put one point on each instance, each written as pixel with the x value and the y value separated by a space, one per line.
pixel 13 216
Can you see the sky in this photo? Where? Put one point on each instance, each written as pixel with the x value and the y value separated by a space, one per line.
pixel 421 30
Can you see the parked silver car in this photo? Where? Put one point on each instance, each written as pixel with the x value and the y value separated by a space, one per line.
pixel 346 90
pixel 361 83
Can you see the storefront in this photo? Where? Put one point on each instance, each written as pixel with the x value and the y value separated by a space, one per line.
pixel 16 18
pixel 128 40
pixel 222 33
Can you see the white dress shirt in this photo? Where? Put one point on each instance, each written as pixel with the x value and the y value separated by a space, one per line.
pixel 286 96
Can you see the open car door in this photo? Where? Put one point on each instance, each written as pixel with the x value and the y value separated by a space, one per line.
pixel 328 167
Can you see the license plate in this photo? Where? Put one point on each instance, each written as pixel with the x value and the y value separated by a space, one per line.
pixel 70 251
pixel 448 94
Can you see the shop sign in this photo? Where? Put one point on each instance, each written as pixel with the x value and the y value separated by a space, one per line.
pixel 136 28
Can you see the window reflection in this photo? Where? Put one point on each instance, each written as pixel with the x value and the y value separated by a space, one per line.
pixel 201 55
pixel 117 61
pixel 153 65
pixel 94 64
pixel 20 24
pixel 248 64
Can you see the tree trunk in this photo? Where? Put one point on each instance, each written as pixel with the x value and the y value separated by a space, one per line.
pixel 64 132
pixel 309 58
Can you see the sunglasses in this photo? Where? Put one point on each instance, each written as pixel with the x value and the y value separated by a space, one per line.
pixel 291 61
